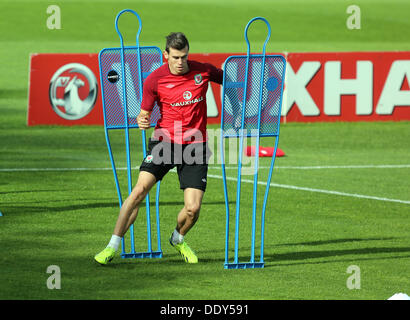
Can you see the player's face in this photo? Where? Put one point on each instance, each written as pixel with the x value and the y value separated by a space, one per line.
pixel 177 60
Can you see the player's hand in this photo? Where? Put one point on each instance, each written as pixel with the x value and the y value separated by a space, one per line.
pixel 143 121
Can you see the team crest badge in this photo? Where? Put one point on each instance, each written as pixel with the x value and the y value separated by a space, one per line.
pixel 149 158
pixel 198 79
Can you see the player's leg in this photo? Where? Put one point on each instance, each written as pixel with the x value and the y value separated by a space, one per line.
pixel 186 219
pixel 129 209
pixel 127 216
pixel 192 179
pixel 150 173
pixel 189 214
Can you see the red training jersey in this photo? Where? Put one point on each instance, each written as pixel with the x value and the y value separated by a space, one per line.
pixel 181 100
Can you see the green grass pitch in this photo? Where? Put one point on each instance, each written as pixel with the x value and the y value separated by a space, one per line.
pixel 64 217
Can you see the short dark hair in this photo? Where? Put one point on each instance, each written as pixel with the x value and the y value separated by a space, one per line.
pixel 176 40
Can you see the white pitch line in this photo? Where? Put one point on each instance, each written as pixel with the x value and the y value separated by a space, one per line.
pixel 353 195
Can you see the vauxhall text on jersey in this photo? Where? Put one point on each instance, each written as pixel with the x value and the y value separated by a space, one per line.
pixel 181 100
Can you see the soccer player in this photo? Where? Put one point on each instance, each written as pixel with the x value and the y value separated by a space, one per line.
pixel 179 88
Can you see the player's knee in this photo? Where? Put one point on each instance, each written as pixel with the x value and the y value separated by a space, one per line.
pixel 192 209
pixel 138 194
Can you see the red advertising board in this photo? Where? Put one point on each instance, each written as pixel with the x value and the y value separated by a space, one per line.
pixel 347 86
pixel 329 86
pixel 64 90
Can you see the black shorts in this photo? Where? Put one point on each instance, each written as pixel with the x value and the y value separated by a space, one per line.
pixel 191 161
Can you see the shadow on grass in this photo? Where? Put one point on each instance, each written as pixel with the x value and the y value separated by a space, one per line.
pixel 19 209
pixel 296 258
pixel 304 257
pixel 13 93
pixel 307 243
pixel 331 241
pixel 43 209
pixel 28 191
